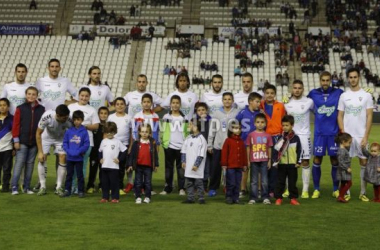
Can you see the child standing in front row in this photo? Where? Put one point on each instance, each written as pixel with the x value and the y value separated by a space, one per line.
pixel 234 161
pixel 343 173
pixel 110 150
pixel 95 166
pixel 372 171
pixel 75 143
pixel 193 156
pixel 6 143
pixel 144 160
pixel 259 150
pixel 288 149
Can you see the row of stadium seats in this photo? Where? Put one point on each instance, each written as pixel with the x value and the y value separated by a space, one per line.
pixel 76 58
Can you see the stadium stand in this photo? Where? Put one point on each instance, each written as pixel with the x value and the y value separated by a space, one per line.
pixel 148 13
pixel 17 11
pixel 76 58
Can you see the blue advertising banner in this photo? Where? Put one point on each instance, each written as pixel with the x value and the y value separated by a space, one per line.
pixel 21 29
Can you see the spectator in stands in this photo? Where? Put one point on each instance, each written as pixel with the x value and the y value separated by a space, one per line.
pixel 201 80
pixel 203 65
pixel 221 38
pixel 260 85
pixel 237 71
pixel 167 70
pixel 314 5
pixel 137 11
pixel 120 20
pixel 179 69
pixel 161 21
pixel 208 80
pixel 151 30
pixel 208 66
pixel 132 10
pixel 285 79
pixel 112 17
pixel 279 79
pixel 306 17
pixel 144 2
pixel 214 67
pixel 184 70
pixel 100 3
pixel 172 72
pixel 95 5
pixel 195 80
pixel 33 4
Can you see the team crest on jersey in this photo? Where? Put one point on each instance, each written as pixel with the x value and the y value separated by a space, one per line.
pixel 360 98
pixel 112 147
pixel 191 144
pixel 59 84
pixel 302 106
pixel 99 93
pixel 189 100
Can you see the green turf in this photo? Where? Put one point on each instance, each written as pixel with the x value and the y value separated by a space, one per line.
pixel 50 222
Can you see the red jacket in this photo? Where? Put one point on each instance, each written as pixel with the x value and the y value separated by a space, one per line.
pixel 234 154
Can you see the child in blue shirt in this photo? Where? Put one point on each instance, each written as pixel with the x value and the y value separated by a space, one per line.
pixel 75 143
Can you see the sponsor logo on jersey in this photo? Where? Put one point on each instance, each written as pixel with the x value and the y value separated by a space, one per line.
pixel 328 111
pixel 51 95
pixel 353 110
pixel 95 103
pixel 16 100
pixel 76 139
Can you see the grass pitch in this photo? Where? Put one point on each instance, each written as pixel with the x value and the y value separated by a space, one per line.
pixel 50 222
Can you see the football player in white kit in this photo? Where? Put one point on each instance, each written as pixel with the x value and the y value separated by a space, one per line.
pixel 188 97
pixel 53 88
pixel 299 107
pixel 15 91
pixel 133 99
pixel 241 98
pixel 50 132
pixel 100 93
pixel 355 118
pixel 213 98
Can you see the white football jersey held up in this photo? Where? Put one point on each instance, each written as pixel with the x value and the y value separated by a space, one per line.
pixel 193 147
pixel 355 105
pixel 241 98
pixel 213 100
pixel 124 124
pixel 53 91
pixel 300 110
pixel 111 149
pixel 90 117
pixel 133 100
pixel 188 101
pixel 99 95
pixel 15 93
pixel 53 130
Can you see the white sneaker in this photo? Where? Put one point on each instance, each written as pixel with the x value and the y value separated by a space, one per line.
pixel 15 192
pixel 251 202
pixel 28 191
pixel 266 202
pixel 164 193
pixel 138 201
pixel 153 193
pixel 182 192
pixel 146 200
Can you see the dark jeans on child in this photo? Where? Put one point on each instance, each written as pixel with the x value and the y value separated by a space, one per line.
pixel 76 166
pixel 233 180
pixel 171 156
pixel 290 171
pixel 143 179
pixel 122 166
pixel 6 167
pixel 110 181
pixel 193 184
pixel 215 170
pixel 94 167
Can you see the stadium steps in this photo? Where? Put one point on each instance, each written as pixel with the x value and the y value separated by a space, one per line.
pixel 64 16
pixel 128 82
pixel 320 19
pixel 193 16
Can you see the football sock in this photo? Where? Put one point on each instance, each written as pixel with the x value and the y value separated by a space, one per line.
pixel 305 178
pixel 333 176
pixel 42 171
pixel 316 175
pixel 363 183
pixel 61 174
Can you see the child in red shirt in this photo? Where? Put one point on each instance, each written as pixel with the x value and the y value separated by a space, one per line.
pixel 144 160
pixel 234 161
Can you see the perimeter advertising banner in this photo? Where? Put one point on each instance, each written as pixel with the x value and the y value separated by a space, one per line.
pixel 21 29
pixel 114 29
pixel 227 31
